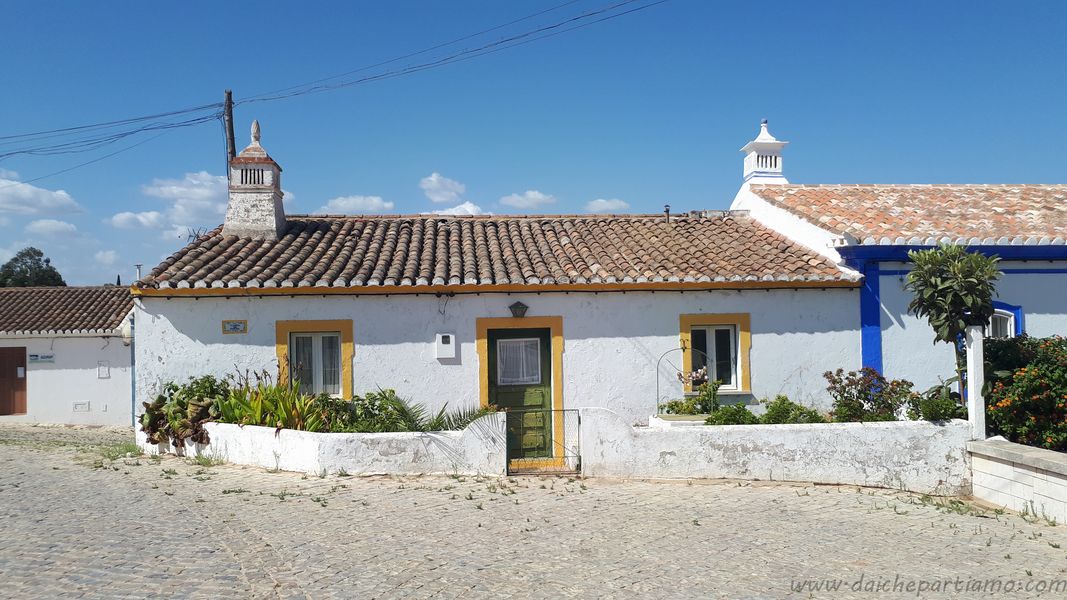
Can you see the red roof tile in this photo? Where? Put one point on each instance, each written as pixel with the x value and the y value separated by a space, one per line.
pixel 399 251
pixel 928 214
pixel 32 310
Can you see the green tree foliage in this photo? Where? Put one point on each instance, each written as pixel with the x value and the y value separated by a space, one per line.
pixel 953 288
pixel 29 268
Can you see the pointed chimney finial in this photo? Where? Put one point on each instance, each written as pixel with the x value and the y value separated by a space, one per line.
pixel 255 132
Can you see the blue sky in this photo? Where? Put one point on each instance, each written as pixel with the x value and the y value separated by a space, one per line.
pixel 646 109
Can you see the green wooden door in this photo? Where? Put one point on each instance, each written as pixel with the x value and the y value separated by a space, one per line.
pixel 520 379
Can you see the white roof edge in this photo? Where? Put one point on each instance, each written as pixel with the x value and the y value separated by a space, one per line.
pixel 787 223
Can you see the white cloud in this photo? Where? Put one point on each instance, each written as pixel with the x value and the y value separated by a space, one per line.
pixel 602 205
pixel 132 220
pixel 529 199
pixel 25 199
pixel 467 208
pixel 198 198
pixel 194 186
pixel 353 205
pixel 49 227
pixel 439 188
pixel 106 257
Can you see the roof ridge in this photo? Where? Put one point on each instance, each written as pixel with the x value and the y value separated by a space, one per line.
pixel 901 185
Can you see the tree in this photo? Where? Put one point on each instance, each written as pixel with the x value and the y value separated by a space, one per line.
pixel 952 288
pixel 29 267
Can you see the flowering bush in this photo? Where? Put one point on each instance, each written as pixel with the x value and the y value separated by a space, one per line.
pixel 1028 405
pixel 866 395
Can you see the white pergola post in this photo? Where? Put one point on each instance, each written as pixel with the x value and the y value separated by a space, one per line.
pixel 975 336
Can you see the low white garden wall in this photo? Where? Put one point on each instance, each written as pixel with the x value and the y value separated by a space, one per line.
pixel 917 456
pixel 478 449
pixel 1021 478
pixel 908 455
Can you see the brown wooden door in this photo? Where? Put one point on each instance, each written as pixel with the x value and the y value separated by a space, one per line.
pixel 12 381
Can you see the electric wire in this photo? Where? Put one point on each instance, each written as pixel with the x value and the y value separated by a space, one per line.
pixel 100 136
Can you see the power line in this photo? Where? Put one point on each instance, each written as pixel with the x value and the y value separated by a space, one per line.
pixel 103 137
pixel 418 52
pixel 98 159
pixel 216 106
pixel 500 44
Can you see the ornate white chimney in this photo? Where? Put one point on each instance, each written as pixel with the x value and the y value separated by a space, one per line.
pixel 763 158
pixel 255 208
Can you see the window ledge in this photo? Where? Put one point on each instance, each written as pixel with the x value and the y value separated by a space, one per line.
pixel 722 393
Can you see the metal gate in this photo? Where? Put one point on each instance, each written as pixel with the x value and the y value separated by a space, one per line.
pixel 544 441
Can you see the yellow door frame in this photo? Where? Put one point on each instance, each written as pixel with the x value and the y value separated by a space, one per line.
pixel 555 328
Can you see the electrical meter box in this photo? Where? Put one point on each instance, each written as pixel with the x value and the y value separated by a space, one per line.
pixel 445 345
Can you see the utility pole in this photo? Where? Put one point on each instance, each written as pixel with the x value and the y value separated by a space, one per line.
pixel 227 115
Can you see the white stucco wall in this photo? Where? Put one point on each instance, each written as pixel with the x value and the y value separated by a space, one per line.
pixel 917 456
pixel 53 388
pixel 908 351
pixel 477 450
pixel 612 341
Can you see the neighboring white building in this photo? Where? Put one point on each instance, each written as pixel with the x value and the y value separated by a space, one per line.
pixel 559 312
pixel 871 228
pixel 65 355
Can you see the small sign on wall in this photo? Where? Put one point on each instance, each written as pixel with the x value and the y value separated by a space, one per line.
pixel 103 369
pixel 235 327
pixel 43 357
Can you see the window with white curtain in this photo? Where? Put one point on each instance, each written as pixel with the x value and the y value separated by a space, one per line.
pixel 1002 324
pixel 715 347
pixel 315 362
pixel 518 361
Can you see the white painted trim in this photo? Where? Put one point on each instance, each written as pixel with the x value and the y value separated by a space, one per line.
pixel 790 225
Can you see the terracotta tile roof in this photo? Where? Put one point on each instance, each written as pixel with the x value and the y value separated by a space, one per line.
pixel 36 310
pixel 399 251
pixel 929 214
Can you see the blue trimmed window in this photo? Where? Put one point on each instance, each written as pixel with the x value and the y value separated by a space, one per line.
pixel 1007 321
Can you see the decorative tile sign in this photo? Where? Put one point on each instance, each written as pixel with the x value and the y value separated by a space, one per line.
pixel 235 327
pixel 43 357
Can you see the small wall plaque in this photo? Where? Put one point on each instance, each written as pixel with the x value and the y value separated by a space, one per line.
pixel 236 327
pixel 43 357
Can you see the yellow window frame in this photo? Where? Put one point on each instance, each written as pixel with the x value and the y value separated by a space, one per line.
pixel 283 331
pixel 743 323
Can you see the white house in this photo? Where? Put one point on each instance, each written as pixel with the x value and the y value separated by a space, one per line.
pixel 65 355
pixel 592 310
pixel 871 228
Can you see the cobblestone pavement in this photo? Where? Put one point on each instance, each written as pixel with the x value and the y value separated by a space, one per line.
pixel 74 523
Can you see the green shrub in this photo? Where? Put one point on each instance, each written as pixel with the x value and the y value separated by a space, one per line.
pixel 866 395
pixel 179 412
pixel 783 410
pixel 269 404
pixel 731 414
pixel 1029 404
pixel 939 403
pixel 383 411
pixel 705 402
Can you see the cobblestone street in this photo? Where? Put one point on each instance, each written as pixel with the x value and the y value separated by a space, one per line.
pixel 76 523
